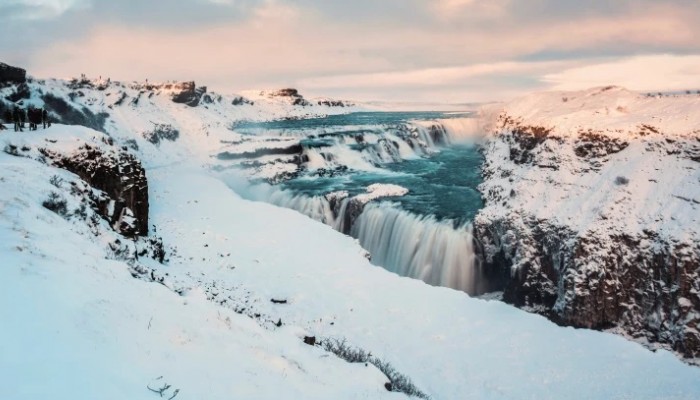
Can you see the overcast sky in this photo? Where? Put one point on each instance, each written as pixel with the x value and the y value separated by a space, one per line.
pixel 406 50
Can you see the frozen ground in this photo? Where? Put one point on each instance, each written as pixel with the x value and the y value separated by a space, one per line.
pixel 659 175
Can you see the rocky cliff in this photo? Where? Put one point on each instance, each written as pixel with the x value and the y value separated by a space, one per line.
pixel 119 175
pixel 592 212
pixel 119 188
pixel 10 74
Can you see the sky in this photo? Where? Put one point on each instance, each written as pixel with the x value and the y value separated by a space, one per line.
pixel 454 51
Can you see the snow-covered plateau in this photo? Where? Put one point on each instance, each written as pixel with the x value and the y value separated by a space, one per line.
pixel 131 267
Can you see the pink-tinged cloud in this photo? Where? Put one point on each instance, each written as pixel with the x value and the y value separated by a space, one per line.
pixel 460 50
pixel 644 73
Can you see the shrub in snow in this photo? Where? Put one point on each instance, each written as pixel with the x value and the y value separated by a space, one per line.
pixel 621 180
pixel 56 181
pixel 397 381
pixel 56 203
pixel 81 212
pixel 163 389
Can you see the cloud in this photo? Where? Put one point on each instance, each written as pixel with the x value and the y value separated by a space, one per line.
pixel 363 48
pixel 38 9
pixel 644 73
pixel 430 76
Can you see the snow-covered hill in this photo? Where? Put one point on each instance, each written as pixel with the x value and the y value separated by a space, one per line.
pixel 91 310
pixel 593 210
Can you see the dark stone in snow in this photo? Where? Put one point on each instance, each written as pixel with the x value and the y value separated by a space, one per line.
pixel 188 93
pixel 310 340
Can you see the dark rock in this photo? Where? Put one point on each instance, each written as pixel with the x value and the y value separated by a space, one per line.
pixel 293 149
pixel 10 74
pixel 187 93
pixel 438 134
pixel 240 100
pixel 596 145
pixel 299 101
pixel 642 285
pixel 121 176
pixel 296 99
pixel 275 301
pixel 310 340
pixel 352 212
pixel 288 92
pixel 333 103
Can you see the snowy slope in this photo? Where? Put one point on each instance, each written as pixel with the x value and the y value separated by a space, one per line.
pixel 76 324
pixel 131 112
pixel 79 321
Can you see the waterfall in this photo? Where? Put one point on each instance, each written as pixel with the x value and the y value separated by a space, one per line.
pixel 460 129
pixel 367 149
pixel 410 245
pixel 419 247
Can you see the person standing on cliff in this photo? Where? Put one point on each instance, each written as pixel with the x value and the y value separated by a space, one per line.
pixel 45 117
pixel 21 117
pixel 15 118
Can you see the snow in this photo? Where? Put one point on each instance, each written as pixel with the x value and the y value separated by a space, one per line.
pixel 663 190
pixel 380 190
pixel 612 109
pixel 77 325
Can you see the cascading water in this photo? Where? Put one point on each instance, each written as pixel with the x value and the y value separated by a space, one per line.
pixel 424 234
pixel 419 247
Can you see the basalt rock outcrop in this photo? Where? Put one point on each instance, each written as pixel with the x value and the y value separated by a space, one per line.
pixel 10 74
pixel 641 286
pixel 118 174
pixel 604 267
pixel 186 93
pixel 295 98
